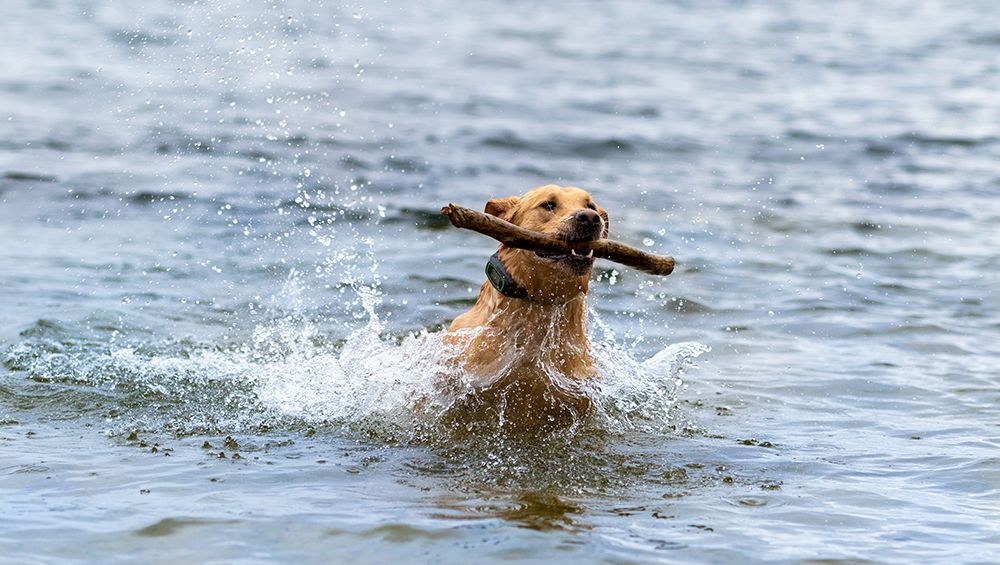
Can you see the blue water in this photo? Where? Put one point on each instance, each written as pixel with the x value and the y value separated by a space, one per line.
pixel 220 236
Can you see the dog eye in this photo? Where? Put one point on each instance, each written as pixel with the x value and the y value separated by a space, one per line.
pixel 550 206
pixel 591 206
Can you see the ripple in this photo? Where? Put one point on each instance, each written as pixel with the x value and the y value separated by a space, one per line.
pixel 29 177
pixel 170 526
pixel 561 147
pixel 948 141
pixel 150 197
pixel 431 220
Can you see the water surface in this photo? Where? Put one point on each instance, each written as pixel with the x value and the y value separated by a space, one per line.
pixel 224 271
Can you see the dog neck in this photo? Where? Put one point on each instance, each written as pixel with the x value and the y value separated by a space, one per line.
pixel 530 323
pixel 540 334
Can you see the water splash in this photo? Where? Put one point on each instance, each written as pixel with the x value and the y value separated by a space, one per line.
pixel 286 378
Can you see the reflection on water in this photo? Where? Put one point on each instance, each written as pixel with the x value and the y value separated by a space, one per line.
pixel 533 510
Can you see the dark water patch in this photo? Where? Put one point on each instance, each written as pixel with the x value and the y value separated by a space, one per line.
pixel 889 146
pixel 686 306
pixel 922 167
pixel 865 226
pixel 88 193
pixel 991 39
pixel 778 223
pixel 583 54
pixel 58 145
pixel 752 72
pixel 144 197
pixel 186 148
pixel 296 140
pixel 16 86
pixel 618 109
pixel 584 463
pixel 30 469
pixel 404 165
pixel 533 170
pixel 890 187
pixel 432 220
pixel 540 511
pixel 45 143
pixel 327 210
pixel 258 155
pixel 354 162
pixel 806 135
pixel 920 253
pixel 908 253
pixel 459 302
pixel 134 38
pixel 316 63
pixel 947 141
pixel 170 526
pixel 442 280
pixel 493 61
pixel 44 329
pixel 939 212
pixel 404 533
pixel 28 177
pixel 561 147
pixel 881 149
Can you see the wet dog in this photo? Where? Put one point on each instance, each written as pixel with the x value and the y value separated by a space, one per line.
pixel 524 343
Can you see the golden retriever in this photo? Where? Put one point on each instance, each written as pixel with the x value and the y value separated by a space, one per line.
pixel 524 343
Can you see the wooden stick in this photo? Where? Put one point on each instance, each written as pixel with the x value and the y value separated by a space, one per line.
pixel 515 236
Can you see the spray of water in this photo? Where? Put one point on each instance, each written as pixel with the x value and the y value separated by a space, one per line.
pixel 380 385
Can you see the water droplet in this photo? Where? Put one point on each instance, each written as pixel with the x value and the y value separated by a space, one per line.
pixel 647 242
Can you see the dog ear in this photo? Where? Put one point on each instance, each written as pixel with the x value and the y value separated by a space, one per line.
pixel 500 207
pixel 604 216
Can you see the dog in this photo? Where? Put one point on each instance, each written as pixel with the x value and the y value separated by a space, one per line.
pixel 524 343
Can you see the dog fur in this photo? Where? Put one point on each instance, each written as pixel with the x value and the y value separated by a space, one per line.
pixel 530 358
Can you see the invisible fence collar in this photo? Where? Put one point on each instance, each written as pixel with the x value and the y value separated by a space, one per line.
pixel 501 279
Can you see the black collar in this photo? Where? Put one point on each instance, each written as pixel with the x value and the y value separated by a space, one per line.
pixel 501 279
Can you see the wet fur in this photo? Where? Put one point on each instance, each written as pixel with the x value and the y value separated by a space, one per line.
pixel 530 359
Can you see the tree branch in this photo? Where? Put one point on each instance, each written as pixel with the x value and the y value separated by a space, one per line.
pixel 515 236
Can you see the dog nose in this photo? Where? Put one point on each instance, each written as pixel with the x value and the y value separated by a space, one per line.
pixel 586 216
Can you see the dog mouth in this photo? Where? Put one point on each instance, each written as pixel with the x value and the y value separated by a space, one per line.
pixel 578 263
pixel 571 256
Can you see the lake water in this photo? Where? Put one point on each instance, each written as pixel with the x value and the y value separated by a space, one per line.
pixel 224 276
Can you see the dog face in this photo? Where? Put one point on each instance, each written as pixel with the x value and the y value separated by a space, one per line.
pixel 565 212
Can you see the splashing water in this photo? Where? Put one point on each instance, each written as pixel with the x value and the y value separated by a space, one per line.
pixel 283 378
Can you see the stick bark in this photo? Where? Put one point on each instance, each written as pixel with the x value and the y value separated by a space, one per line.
pixel 515 236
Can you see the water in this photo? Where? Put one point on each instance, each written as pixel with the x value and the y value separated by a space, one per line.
pixel 220 237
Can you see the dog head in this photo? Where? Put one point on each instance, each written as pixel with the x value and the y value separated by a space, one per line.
pixel 565 212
